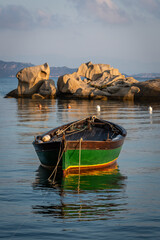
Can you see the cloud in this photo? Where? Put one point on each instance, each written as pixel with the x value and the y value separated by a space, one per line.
pixel 108 11
pixel 48 20
pixel 43 18
pixel 142 9
pixel 152 7
pixel 102 10
pixel 16 17
pixel 118 12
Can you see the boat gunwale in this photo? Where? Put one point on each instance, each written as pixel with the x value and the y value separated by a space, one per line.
pixel 85 145
pixel 95 145
pixel 121 129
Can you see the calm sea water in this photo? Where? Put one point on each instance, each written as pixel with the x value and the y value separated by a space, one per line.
pixel 123 203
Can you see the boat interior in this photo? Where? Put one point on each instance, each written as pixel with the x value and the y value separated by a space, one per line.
pixel 88 130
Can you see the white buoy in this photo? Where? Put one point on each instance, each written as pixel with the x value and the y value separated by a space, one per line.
pixel 98 108
pixel 46 138
pixel 150 109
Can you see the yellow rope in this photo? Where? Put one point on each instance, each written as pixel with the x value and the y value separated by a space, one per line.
pixel 80 141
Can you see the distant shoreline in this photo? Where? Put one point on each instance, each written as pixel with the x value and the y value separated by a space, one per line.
pixel 10 69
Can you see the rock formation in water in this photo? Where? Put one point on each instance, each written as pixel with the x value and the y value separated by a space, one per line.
pixel 97 81
pixel 149 90
pixel 34 82
pixel 90 81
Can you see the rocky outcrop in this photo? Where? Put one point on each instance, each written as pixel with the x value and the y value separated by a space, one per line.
pixel 97 81
pixel 149 90
pixel 30 79
pixel 90 81
pixel 48 89
pixel 34 82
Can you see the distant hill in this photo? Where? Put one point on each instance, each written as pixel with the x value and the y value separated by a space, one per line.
pixel 59 71
pixel 146 76
pixel 10 69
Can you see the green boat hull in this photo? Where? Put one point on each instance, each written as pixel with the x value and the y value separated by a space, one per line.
pixel 75 160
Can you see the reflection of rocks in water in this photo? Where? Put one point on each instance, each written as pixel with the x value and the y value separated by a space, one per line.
pixel 33 110
pixel 78 109
pixel 34 107
pixel 32 115
pixel 75 110
pixel 90 196
pixel 84 108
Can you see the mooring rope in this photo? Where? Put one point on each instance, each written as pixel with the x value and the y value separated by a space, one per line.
pixel 69 134
pixel 60 131
pixel 80 142
pixel 80 147
pixel 58 161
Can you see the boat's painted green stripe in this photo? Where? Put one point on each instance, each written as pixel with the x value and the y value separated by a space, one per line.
pixel 89 157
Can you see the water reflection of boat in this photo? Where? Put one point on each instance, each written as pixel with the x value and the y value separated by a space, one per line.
pixel 109 178
pixel 89 196
pixel 90 143
pixel 94 180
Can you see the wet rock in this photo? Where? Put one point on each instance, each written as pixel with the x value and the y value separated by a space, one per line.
pixel 12 94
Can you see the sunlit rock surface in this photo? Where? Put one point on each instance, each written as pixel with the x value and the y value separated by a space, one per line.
pixel 34 82
pixel 90 81
pixel 97 81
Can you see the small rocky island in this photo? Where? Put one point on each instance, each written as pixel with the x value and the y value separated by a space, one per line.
pixel 90 81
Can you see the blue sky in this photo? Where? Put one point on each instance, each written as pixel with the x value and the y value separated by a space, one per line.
pixel 122 33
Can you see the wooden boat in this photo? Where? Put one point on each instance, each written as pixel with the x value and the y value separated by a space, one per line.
pixel 86 144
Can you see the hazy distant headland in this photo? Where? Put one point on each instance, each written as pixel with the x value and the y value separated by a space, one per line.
pixel 10 69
